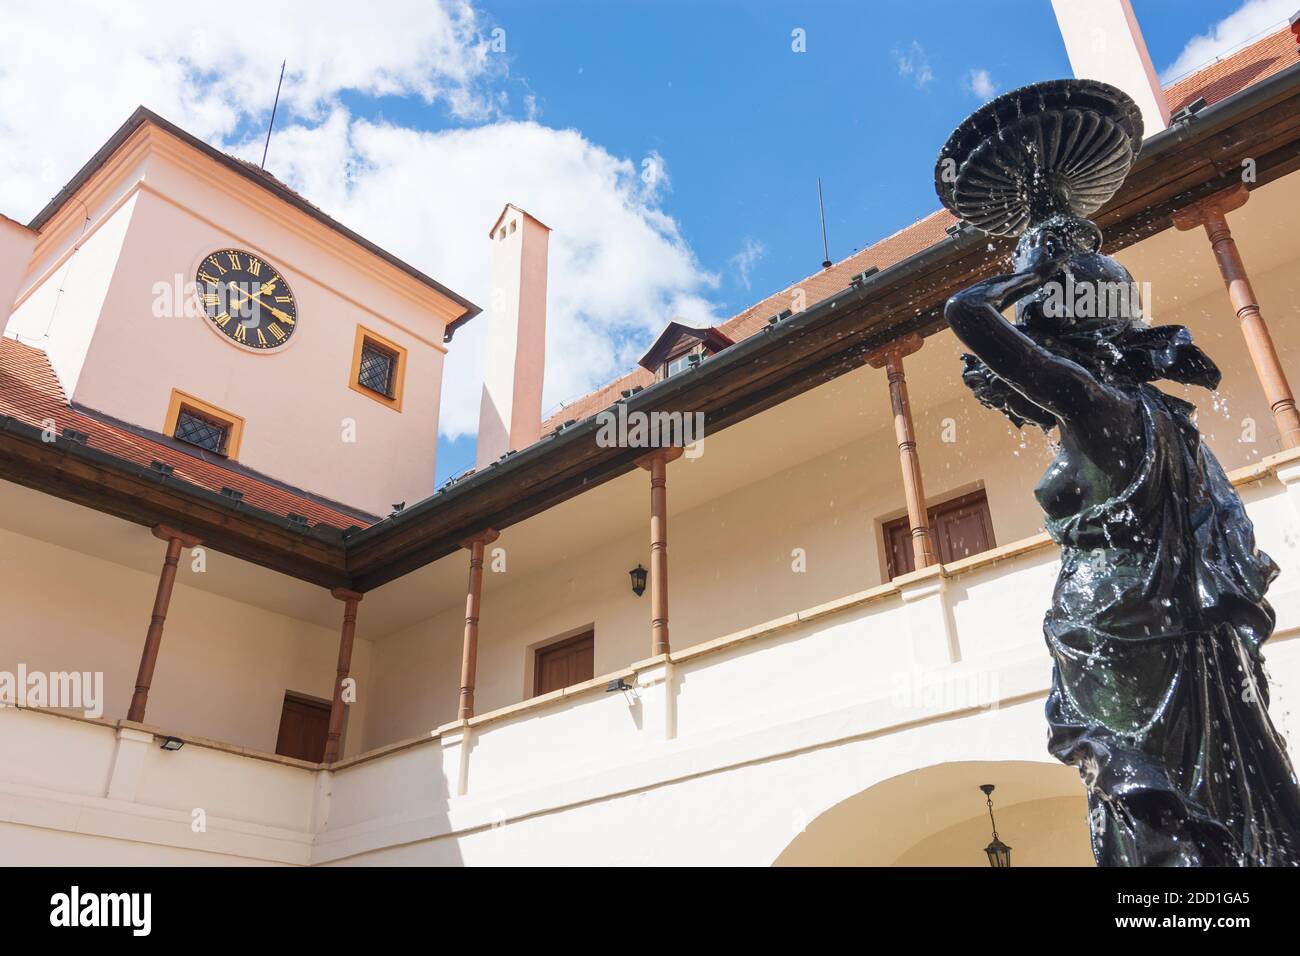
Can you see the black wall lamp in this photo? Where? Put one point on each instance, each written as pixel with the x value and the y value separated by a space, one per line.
pixel 171 743
pixel 999 853
pixel 637 575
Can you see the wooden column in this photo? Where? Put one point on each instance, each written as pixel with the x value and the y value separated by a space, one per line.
pixel 473 596
pixel 333 740
pixel 176 540
pixel 1212 214
pixel 890 358
pixel 657 464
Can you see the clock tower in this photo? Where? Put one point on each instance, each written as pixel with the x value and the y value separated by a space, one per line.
pixel 192 297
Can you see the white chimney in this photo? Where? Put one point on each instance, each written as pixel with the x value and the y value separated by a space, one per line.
pixel 510 416
pixel 1104 42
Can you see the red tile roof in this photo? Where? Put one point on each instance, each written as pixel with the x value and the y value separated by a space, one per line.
pixel 30 393
pixel 1273 54
pixel 1221 79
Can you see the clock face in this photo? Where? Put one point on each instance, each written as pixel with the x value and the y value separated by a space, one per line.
pixel 246 299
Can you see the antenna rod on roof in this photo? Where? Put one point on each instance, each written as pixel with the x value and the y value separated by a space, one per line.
pixel 821 207
pixel 274 106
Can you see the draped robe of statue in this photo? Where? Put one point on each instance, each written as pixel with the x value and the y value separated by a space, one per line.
pixel 1158 691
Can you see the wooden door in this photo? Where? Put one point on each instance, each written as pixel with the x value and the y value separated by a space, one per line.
pixel 304 725
pixel 898 547
pixel 564 663
pixel 960 527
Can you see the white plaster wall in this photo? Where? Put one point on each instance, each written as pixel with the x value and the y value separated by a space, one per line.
pixel 223 667
pixel 80 792
pixel 59 314
pixel 16 245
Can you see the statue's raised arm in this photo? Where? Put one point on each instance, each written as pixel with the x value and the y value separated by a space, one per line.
pixel 1051 261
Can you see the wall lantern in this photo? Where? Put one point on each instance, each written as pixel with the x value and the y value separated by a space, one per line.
pixel 999 853
pixel 171 743
pixel 637 575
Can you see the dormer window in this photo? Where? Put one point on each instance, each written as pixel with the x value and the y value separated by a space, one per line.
pixel 679 364
pixel 681 347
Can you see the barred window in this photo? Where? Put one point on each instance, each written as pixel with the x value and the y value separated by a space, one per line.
pixel 376 369
pixel 204 432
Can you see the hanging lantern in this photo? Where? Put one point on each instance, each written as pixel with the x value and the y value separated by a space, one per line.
pixel 637 575
pixel 999 853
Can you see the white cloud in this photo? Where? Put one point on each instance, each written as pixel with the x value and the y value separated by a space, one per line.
pixel 619 267
pixel 913 64
pixel 743 262
pixel 1248 21
pixel 73 70
pixel 980 83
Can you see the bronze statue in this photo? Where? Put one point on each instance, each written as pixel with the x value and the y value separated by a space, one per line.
pixel 1159 696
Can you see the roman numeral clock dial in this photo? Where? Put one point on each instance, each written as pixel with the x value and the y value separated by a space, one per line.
pixel 246 299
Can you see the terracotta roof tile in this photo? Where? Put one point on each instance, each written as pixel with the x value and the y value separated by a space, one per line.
pixel 1273 54
pixel 815 288
pixel 1215 82
pixel 30 392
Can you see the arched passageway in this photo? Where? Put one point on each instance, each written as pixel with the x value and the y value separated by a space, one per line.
pixel 936 816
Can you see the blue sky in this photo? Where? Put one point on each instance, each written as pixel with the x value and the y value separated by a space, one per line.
pixel 746 125
pixel 673 146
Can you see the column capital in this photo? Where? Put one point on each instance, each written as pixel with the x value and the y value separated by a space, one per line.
pixel 485 537
pixel 1211 207
pixel 897 349
pixel 165 532
pixel 659 454
pixel 343 594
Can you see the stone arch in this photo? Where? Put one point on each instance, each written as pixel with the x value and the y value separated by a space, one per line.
pixel 935 815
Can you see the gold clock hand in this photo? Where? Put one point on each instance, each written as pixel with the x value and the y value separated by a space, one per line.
pixel 282 316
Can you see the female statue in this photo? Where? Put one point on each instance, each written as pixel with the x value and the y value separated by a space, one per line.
pixel 1158 696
